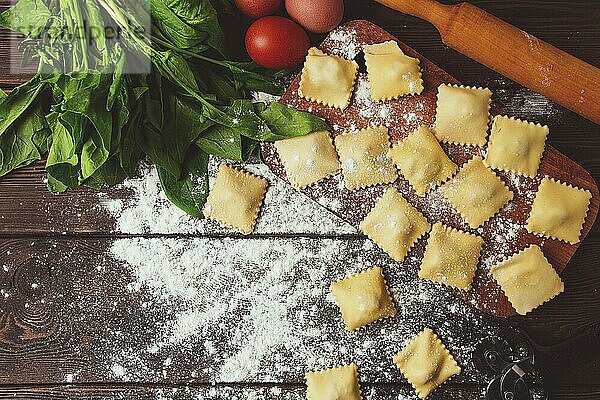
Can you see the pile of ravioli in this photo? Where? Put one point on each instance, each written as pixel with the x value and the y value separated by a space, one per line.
pixel 367 158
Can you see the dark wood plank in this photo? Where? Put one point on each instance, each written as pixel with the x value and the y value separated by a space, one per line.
pixel 571 26
pixel 220 392
pixel 109 320
pixel 100 323
pixel 113 392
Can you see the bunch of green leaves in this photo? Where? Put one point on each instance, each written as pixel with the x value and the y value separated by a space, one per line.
pixel 94 122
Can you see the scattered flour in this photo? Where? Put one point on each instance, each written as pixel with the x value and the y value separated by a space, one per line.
pixel 144 208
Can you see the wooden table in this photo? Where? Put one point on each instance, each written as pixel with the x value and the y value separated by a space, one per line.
pixel 74 326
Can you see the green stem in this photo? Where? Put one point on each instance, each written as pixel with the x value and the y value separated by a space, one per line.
pixel 79 31
pixel 187 52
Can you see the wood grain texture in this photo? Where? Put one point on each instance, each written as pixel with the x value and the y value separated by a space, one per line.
pixel 64 345
pixel 83 321
pixel 191 392
pixel 218 392
pixel 403 116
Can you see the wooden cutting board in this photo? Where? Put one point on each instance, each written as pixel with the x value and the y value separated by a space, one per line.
pixel 504 234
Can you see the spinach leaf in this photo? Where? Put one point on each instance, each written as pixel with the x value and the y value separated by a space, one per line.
pixel 202 16
pixel 2 96
pixel 173 28
pixel 96 146
pixel 130 152
pixel 188 192
pixel 183 125
pixel 275 122
pixel 15 104
pixel 288 122
pixel 221 141
pixel 156 146
pixel 28 17
pixel 249 76
pixel 174 67
pixel 168 144
pixel 24 142
pixel 110 173
pixel 117 81
pixel 62 162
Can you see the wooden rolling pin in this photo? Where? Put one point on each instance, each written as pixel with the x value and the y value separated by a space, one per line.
pixel 512 52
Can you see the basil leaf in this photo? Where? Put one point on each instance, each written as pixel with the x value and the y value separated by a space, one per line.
pixel 28 17
pixel 221 141
pixel 189 192
pixel 286 122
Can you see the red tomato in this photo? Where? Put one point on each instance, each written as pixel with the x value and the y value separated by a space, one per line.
pixel 276 42
pixel 257 8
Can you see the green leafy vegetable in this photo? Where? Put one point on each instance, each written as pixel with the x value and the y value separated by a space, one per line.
pixel 28 17
pixel 190 190
pixel 221 141
pixel 94 121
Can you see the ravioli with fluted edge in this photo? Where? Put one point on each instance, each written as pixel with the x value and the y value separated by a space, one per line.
pixel 451 257
pixel 462 115
pixel 394 224
pixel 308 159
pixel 235 198
pixel 426 363
pixel 327 79
pixel 558 211
pixel 363 298
pixel 338 383
pixel 421 160
pixel 391 73
pixel 364 157
pixel 476 192
pixel 527 279
pixel 516 145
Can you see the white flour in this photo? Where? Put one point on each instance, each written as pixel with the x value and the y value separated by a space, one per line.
pixel 149 210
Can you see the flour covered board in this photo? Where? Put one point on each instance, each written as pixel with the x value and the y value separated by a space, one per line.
pixel 504 234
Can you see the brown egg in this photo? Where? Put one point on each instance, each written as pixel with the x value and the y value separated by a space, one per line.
pixel 318 16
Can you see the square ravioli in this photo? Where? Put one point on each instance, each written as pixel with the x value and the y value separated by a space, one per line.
pixel 391 73
pixel 363 298
pixel 476 192
pixel 339 383
pixel 426 363
pixel 308 159
pixel 327 79
pixel 451 257
pixel 235 198
pixel 422 160
pixel 462 115
pixel 516 146
pixel 558 211
pixel 527 279
pixel 363 155
pixel 394 225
